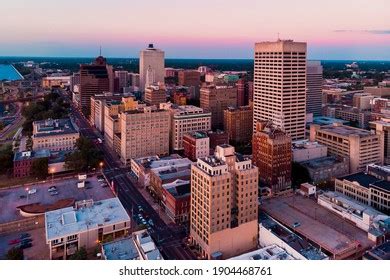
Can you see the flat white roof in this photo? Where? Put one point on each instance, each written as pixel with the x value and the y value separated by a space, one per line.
pixel 68 221
pixel 272 252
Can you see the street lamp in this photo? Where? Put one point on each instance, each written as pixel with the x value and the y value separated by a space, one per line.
pixel 27 189
pixel 52 170
pixel 101 166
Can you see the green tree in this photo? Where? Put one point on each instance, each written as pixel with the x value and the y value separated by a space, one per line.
pixel 15 254
pixel 85 156
pixel 75 161
pixel 6 158
pixel 39 168
pixel 81 254
pixel 299 174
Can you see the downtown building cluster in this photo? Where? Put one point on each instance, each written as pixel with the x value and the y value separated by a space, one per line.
pixel 222 155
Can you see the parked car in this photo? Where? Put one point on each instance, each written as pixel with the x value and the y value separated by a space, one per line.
pixel 53 193
pixel 101 180
pixel 52 189
pixel 32 191
pixel 27 240
pixel 296 224
pixel 14 241
pixel 24 235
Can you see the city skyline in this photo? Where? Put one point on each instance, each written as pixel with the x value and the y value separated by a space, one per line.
pixel 199 29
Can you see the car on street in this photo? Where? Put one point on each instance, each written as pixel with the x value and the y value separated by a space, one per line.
pixel 24 235
pixel 53 193
pixel 52 189
pixel 14 241
pixel 27 240
pixel 296 224
pixel 32 191
pixel 24 245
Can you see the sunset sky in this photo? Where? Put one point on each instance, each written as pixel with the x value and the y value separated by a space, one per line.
pixel 333 29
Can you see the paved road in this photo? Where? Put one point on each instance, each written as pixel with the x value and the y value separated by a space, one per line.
pixel 169 237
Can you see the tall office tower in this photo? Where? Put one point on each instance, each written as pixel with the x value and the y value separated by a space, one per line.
pixel 155 94
pixel 94 79
pixel 215 99
pixel 151 67
pixel 280 86
pixel 271 151
pixel 144 132
pixel 314 88
pixel 224 191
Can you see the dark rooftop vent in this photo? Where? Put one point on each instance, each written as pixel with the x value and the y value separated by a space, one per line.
pixel 150 46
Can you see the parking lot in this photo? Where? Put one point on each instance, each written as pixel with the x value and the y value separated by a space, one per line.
pixel 10 199
pixel 38 251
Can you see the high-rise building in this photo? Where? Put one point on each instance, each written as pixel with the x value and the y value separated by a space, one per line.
pixel 151 67
pixel 155 95
pixel 185 119
pixel 271 151
pixel 361 147
pixel 314 88
pixel 215 99
pixel 223 219
pixel 280 86
pixel 237 122
pixel 94 79
pixel 144 132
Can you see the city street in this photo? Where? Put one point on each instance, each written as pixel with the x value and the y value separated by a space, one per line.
pixel 169 237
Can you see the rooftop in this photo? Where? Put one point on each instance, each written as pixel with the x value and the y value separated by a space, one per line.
pixel 146 245
pixel 305 144
pixel 367 181
pixel 272 252
pixel 53 127
pixel 293 240
pixel 345 130
pixel 327 120
pixel 123 249
pixel 213 161
pixel 178 188
pixel 198 134
pixel 321 162
pixel 318 224
pixel 381 252
pixel 31 155
pixel 86 215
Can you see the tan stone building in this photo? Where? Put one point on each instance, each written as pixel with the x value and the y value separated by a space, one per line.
pixel 155 95
pixel 185 119
pixel 271 151
pixel 215 99
pixel 280 86
pixel 361 147
pixel 144 132
pixel 55 135
pixel 223 219
pixel 237 122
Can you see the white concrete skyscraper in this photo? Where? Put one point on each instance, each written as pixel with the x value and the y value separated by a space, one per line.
pixel 151 67
pixel 314 88
pixel 280 85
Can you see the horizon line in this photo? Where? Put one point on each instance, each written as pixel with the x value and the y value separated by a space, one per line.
pixel 186 58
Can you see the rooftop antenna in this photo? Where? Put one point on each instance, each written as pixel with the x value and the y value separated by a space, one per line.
pixel 100 51
pixel 278 36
